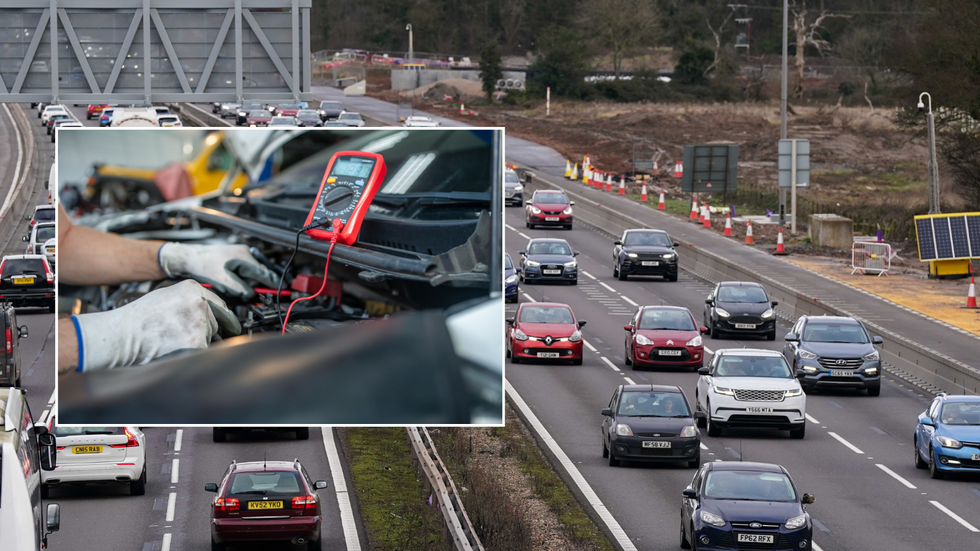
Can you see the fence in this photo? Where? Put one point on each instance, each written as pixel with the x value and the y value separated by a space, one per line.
pixel 871 257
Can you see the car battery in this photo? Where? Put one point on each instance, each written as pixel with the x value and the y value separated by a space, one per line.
pixel 310 284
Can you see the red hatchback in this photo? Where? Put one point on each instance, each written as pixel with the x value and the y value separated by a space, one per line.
pixel 94 110
pixel 544 330
pixel 548 208
pixel 266 501
pixel 288 109
pixel 664 336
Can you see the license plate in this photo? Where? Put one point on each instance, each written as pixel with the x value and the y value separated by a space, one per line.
pixel 552 272
pixel 655 444
pixel 758 410
pixel 755 538
pixel 86 449
pixel 550 218
pixel 669 352
pixel 837 373
pixel 744 326
pixel 264 505
pixel 23 280
pixel 51 250
pixel 650 263
pixel 548 355
pixel 975 457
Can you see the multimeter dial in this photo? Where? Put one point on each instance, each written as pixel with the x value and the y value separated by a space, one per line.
pixel 349 184
pixel 338 201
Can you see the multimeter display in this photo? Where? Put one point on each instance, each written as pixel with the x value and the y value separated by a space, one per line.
pixel 360 168
pixel 349 184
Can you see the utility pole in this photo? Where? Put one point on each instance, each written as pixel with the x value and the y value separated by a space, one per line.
pixel 934 206
pixel 782 104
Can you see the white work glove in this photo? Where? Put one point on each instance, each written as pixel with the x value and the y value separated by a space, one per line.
pixel 217 265
pixel 184 315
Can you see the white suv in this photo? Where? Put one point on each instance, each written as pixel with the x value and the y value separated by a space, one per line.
pixel 98 455
pixel 745 387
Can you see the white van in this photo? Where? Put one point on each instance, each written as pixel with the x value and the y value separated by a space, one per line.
pixel 135 117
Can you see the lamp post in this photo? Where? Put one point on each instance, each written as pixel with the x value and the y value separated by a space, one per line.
pixel 411 52
pixel 934 207
pixel 782 105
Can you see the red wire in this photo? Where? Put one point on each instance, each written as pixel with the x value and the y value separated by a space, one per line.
pixel 333 241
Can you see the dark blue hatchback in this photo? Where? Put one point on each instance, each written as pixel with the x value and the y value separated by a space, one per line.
pixel 511 282
pixel 741 505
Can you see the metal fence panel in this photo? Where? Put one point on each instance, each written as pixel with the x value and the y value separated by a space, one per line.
pixel 870 257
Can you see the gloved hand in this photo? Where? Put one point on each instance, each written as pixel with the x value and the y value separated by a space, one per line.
pixel 184 315
pixel 217 265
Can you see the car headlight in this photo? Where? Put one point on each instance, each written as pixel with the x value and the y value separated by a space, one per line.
pixel 807 355
pixel 568 210
pixel 767 314
pixel 632 255
pixel 689 431
pixel 712 519
pixel 575 337
pixel 531 263
pixel 535 210
pixel 722 313
pixel 696 341
pixel 668 256
pixel 319 112
pixel 793 393
pixel 640 339
pixel 722 390
pixel 512 279
pixel 240 114
pixel 871 371
pixel 518 188
pixel 796 522
pixel 948 442
pixel 519 335
pixel 872 356
pixel 571 264
pixel 623 430
pixel 809 369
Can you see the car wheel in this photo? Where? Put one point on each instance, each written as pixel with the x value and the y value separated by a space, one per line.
pixel 713 429
pixel 575 281
pixel 919 463
pixel 46 490
pixel 217 546
pixel 771 336
pixel 622 275
pixel 315 545
pixel 514 359
pixel 874 390
pixel 51 308
pixel 17 382
pixel 88 116
pixel 626 356
pixel 138 487
pixel 52 138
pixel 694 463
pixel 219 435
pixel 934 471
pixel 613 462
pixel 303 433
pixel 684 543
pixel 605 450
pixel 616 269
pixel 577 361
pixel 798 433
pixel 672 277
pixel 715 334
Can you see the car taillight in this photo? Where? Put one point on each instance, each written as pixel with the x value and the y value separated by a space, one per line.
pixel 304 502
pixel 130 441
pixel 226 504
pixel 47 273
pixel 10 342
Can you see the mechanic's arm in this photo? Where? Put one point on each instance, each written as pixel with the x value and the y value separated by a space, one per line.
pixel 91 257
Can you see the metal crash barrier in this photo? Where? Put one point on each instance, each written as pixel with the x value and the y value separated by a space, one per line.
pixel 871 257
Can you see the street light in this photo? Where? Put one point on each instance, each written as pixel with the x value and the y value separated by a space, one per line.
pixel 934 206
pixel 411 53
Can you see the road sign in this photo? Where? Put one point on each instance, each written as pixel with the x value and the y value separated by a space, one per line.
pixel 786 162
pixel 710 168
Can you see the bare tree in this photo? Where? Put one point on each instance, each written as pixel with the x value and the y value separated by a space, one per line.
pixel 619 25
pixel 717 36
pixel 865 47
pixel 808 34
pixel 511 15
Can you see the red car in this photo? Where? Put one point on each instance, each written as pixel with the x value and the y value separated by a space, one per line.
pixel 664 336
pixel 544 330
pixel 258 117
pixel 548 208
pixel 265 501
pixel 288 109
pixel 94 110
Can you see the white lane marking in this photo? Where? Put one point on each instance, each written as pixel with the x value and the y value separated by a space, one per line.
pixel 603 283
pixel 703 447
pixel 628 380
pixel 589 346
pixel 955 517
pixel 615 530
pixel 340 487
pixel 15 183
pixel 612 365
pixel 587 274
pixel 708 350
pixel 165 546
pixel 816 547
pixel 178 439
pixel 519 232
pixel 624 297
pixel 811 419
pixel 895 475
pixel 852 447
pixel 171 505
pixel 528 297
pixel 43 418
pixel 51 399
pixel 173 471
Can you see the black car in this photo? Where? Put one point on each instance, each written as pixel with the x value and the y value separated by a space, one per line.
pixel 650 423
pixel 308 117
pixel 645 252
pixel 241 116
pixel 548 259
pixel 10 374
pixel 220 434
pixel 742 308
pixel 27 280
pixel 330 110
pixel 834 352
pixel 744 505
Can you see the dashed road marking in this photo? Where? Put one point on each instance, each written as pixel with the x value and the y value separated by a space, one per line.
pixel 611 290
pixel 178 439
pixel 850 446
pixel 528 297
pixel 587 274
pixel 955 517
pixel 589 346
pixel 173 471
pixel 811 419
pixel 624 297
pixel 895 475
pixel 165 546
pixel 171 506
pixel 519 232
pixel 612 365
pixel 628 380
pixel 703 447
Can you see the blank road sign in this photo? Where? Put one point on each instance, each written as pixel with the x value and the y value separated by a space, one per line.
pixel 802 162
pixel 948 236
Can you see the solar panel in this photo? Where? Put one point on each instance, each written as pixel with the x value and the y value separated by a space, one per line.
pixel 923 229
pixel 948 236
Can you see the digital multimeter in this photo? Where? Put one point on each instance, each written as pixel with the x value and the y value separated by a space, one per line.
pixel 349 184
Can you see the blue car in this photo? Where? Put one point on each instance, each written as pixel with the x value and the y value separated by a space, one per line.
pixel 947 437
pixel 743 505
pixel 511 281
pixel 547 259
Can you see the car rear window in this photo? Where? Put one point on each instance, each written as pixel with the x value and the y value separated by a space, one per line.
pixel 331 105
pixel 82 431
pixel 265 483
pixel 15 266
pixel 167 119
pixel 546 314
pixel 44 233
pixel 44 215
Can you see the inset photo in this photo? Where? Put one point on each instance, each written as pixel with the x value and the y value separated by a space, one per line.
pixel 258 276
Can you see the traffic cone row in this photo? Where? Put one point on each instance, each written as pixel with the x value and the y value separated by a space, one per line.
pixel 661 205
pixel 780 248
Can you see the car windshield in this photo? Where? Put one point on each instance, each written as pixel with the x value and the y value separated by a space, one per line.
pixel 508 264
pixel 549 248
pixel 511 177
pixel 26 266
pixel 260 114
pixel 351 116
pixel 666 319
pixel 653 404
pixel 647 239
pixel 749 486
pixel 734 293
pixel 44 233
pixel 555 198
pixel 330 105
pixel 307 113
pixel 265 483
pixel 834 332
pixel 961 413
pixel 752 366
pixel 289 106
pixel 43 214
pixel 546 314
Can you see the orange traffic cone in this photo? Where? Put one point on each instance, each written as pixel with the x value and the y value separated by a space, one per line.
pixel 678 169
pixel 585 173
pixel 594 174
pixel 575 172
pixel 707 218
pixel 780 248
pixel 694 210
pixel 656 171
pixel 462 110
pixel 622 185
pixel 728 225
pixel 748 234
pixel 661 205
pixel 598 181
pixel 643 192
pixel 704 207
pixel 608 182
pixel 971 295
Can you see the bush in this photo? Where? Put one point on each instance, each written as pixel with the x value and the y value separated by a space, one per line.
pixel 516 97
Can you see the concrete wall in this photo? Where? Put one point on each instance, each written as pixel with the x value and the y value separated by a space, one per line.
pixel 831 230
pixel 402 79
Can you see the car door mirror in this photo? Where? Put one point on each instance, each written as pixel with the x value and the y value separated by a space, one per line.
pixel 210 487
pixel 877 340
pixel 319 484
pixel 800 373
pixel 675 244
pixel 510 321
pixel 774 303
pixel 48 450
pixel 581 324
pixel 28 218
pixel 791 337
pixel 24 238
pixel 606 412
pixel 628 327
pixel 709 301
pixel 704 330
pixel 575 253
pixel 22 331
pixel 617 242
pixel 517 270
pixel 807 499
pixel 53 520
pixel 700 415
pixel 571 203
pixel 703 371
pixel 522 253
pixel 924 419
pixel 690 493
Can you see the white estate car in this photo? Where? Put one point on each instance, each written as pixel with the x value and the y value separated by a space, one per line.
pixel 746 387
pixel 98 455
pixel 52 110
pixel 420 121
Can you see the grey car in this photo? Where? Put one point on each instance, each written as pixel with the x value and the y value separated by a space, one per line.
pixel 513 190
pixel 834 352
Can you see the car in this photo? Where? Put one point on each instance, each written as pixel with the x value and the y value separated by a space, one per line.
pixel 351 119
pixel 50 251
pixel 834 352
pixel 216 107
pixel 645 252
pixel 283 121
pixel 650 423
pixel 308 117
pixel 65 124
pixel 513 189
pixel 740 308
pixel 106 117
pixel 228 110
pixel 42 213
pixel 220 434
pixel 259 117
pixel 549 259
pixel 744 505
pixel 544 330
pixel 52 110
pixel 10 372
pixel 511 279
pixel 241 117
pixel 335 124
pixel 548 208
pixel 266 501
pixel 40 233
pixel 748 387
pixel 55 117
pixel 664 336
pixel 169 121
pixel 161 110
pixel 330 110
pixel 94 110
pixel 420 121
pixel 287 109
pixel 947 435
pixel 97 455
pixel 27 280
